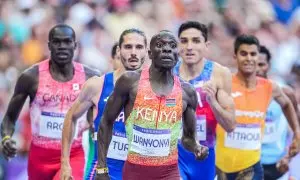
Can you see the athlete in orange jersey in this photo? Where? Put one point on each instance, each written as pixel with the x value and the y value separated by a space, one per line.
pixel 238 152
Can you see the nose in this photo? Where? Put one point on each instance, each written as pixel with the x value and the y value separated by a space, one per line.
pixel 133 51
pixel 189 45
pixel 166 49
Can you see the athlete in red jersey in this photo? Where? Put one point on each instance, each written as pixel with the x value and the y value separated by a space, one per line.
pixel 52 86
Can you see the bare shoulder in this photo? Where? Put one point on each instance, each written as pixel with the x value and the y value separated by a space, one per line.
pixel 187 88
pixel 90 72
pixel 30 75
pixel 129 77
pixel 221 70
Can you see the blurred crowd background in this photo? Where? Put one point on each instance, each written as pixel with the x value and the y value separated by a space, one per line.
pixel 24 27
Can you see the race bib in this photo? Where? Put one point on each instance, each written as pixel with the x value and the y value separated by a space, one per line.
pixel 51 125
pixel 151 142
pixel 201 127
pixel 118 147
pixel 245 137
pixel 270 132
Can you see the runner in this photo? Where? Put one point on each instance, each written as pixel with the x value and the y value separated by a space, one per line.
pixel 154 102
pixel 208 78
pixel 115 57
pixel 274 157
pixel 238 153
pixel 133 50
pixel 52 87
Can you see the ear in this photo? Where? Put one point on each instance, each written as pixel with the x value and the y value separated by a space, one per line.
pixel 150 54
pixel 49 45
pixel 75 44
pixel 118 49
pixel 208 43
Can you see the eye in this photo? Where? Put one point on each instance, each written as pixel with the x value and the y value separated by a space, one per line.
pixel 173 45
pixel 158 44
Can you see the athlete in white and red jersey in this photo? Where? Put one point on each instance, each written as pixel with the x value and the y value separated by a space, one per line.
pixel 52 86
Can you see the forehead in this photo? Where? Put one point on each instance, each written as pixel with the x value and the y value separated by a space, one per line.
pixel 262 57
pixel 248 48
pixel 191 33
pixel 165 37
pixel 133 38
pixel 62 32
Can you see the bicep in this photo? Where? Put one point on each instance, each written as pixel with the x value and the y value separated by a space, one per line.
pixel 227 81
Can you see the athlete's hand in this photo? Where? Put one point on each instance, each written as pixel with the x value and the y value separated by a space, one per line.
pixel 201 152
pixel 9 148
pixel 102 177
pixel 294 147
pixel 210 89
pixel 283 165
pixel 66 172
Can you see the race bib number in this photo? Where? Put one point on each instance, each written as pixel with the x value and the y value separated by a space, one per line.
pixel 51 125
pixel 245 137
pixel 151 142
pixel 270 132
pixel 118 147
pixel 201 127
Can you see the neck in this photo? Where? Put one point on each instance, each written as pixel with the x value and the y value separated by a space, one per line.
pixel 161 76
pixel 188 72
pixel 249 81
pixel 61 72
pixel 118 72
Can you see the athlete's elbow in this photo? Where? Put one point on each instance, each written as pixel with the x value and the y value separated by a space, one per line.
pixel 231 125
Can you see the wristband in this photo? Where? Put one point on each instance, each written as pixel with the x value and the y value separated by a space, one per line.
pixel 102 170
pixel 5 138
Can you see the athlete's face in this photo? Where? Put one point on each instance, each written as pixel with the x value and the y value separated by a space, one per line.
pixel 133 51
pixel 247 58
pixel 62 45
pixel 192 46
pixel 164 51
pixel 262 66
pixel 116 61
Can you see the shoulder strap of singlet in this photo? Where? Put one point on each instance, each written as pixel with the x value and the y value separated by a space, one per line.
pixel 44 65
pixel 206 72
pixel 78 67
pixel 107 88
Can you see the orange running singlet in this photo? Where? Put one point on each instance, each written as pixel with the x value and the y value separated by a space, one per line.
pixel 241 148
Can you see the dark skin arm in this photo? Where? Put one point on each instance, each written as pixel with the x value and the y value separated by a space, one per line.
pixel 117 100
pixel 188 139
pixel 25 86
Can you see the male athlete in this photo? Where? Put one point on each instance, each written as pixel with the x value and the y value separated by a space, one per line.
pixel 238 152
pixel 52 86
pixel 154 102
pixel 95 92
pixel 213 87
pixel 273 156
pixel 115 57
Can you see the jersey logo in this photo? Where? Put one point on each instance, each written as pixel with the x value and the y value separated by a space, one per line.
pixel 236 94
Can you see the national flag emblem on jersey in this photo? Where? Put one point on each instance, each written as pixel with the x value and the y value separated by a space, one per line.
pixel 171 102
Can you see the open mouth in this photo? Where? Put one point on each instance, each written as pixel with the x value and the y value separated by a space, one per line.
pixel 189 54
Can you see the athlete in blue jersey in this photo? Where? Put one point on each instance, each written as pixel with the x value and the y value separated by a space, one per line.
pixel 274 156
pixel 133 51
pixel 213 86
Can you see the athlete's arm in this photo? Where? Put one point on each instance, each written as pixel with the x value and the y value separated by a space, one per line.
pixel 223 104
pixel 114 105
pixel 79 107
pixel 25 87
pixel 188 138
pixel 290 114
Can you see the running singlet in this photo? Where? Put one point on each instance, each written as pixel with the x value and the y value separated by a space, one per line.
pixel 153 126
pixel 189 167
pixel 240 149
pixel 47 112
pixel 206 121
pixel 117 152
pixel 50 105
pixel 275 135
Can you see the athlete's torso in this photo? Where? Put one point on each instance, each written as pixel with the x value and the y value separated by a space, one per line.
pixel 153 126
pixel 118 147
pixel 206 121
pixel 240 149
pixel 52 101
